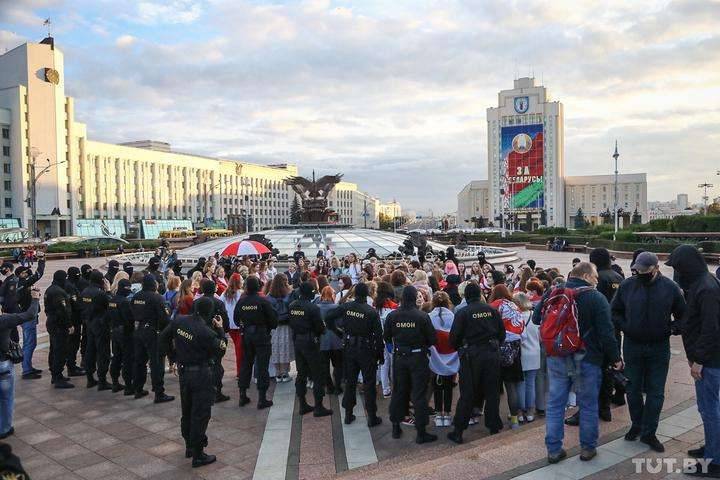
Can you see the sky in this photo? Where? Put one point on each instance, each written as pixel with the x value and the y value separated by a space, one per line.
pixel 393 93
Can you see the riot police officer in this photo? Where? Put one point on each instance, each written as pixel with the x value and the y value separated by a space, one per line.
pixel 153 269
pixel 362 334
pixel 411 332
pixel 122 327
pixel 258 318
pixel 75 336
pixel 59 323
pixel 476 334
pixel 196 348
pixel 151 316
pixel 113 269
pixel 307 326
pixel 208 288
pixel 94 301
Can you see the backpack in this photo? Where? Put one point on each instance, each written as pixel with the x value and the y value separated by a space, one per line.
pixel 559 330
pixel 171 301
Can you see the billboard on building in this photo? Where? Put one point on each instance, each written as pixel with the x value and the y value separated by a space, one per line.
pixel 522 152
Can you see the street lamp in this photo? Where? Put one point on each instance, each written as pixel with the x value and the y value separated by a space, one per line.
pixel 615 206
pixel 245 182
pixel 207 202
pixel 34 177
pixel 705 187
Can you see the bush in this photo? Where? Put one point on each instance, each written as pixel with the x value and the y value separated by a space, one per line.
pixel 709 247
pixel 665 247
pixel 551 231
pixel 696 223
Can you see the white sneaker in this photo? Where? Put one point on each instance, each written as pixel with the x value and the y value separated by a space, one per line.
pixel 473 421
pixel 447 421
pixel 529 418
pixel 439 421
pixel 521 419
pixel 387 394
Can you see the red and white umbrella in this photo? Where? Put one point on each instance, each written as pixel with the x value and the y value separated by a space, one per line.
pixel 245 247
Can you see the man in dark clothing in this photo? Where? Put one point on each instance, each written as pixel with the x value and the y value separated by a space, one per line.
pixel 477 333
pixel 113 269
pixel 258 318
pixel 153 269
pixel 94 300
pixel 75 338
pixel 15 298
pixel 584 368
pixel 643 309
pixel 411 333
pixel 122 327
pixel 198 267
pixel 359 325
pixel 208 288
pixel 128 268
pixel 298 255
pixel 701 337
pixel 608 282
pixel 151 316
pixel 196 347
pixel 85 270
pixel 307 327
pixel 59 323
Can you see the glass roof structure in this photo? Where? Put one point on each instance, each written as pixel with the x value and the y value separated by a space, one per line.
pixel 342 240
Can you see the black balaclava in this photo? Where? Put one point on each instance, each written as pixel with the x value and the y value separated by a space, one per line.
pixel 689 265
pixel 113 266
pixel 204 308
pixel 154 264
pixel 409 297
pixel 361 292
pixel 59 278
pixel 97 279
pixel 601 258
pixel 307 291
pixel 85 271
pixel 128 268
pixel 124 287
pixel 73 274
pixel 149 284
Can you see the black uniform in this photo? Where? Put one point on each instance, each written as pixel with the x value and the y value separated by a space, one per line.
pixel 258 319
pixel 122 326
pixel 411 332
pixel 477 333
pixel 362 347
pixel 94 302
pixel 219 371
pixel 151 316
pixel 59 321
pixel 307 326
pixel 73 345
pixel 196 348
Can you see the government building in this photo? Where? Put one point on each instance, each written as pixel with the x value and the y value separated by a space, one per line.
pixel 84 187
pixel 527 186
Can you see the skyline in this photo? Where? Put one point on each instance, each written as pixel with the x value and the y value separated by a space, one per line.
pixel 354 88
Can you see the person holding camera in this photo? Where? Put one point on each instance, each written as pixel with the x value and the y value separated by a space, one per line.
pixel 643 309
pixel 11 354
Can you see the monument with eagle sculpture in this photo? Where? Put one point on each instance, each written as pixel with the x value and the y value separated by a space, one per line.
pixel 313 195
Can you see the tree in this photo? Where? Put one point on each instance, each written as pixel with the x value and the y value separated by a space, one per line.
pixel 295 212
pixel 385 222
pixel 580 221
pixel 714 209
pixel 636 217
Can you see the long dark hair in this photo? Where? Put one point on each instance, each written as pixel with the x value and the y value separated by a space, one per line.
pixel 279 287
pixel 384 292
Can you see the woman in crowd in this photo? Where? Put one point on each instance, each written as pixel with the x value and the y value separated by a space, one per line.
pixel 451 288
pixel 121 275
pixel 320 268
pixel 271 270
pixel 330 345
pixel 262 272
pixel 398 280
pixel 384 304
pixel 282 347
pixel 510 365
pixel 186 299
pixel 354 269
pixel 535 290
pixel 476 273
pixel 529 358
pixel 230 297
pixel 444 362
pixel 463 272
pixel 220 280
pixel 335 269
pixel 172 294
pixel 345 284
pixel 420 282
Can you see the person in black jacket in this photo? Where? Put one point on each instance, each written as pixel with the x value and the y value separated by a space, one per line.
pixel 307 327
pixel 701 338
pixel 359 325
pixel 258 319
pixel 643 309
pixel 113 269
pixel 477 333
pixel 122 327
pixel 94 299
pixel 59 324
pixel 153 269
pixel 411 333
pixel 75 339
pixel 208 288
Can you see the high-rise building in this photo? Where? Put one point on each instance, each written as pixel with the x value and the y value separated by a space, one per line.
pixel 682 201
pixel 88 187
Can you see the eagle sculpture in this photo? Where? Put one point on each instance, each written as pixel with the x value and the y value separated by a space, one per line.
pixel 314 189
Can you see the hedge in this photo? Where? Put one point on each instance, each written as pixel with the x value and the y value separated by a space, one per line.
pixel 665 247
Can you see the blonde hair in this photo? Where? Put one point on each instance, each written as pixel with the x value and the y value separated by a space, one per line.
pixel 173 283
pixel 522 301
pixel 121 275
pixel 420 276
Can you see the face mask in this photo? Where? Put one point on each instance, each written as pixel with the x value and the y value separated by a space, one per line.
pixel 645 277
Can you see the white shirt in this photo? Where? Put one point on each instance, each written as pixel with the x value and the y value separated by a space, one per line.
pixel 230 307
pixel 355 272
pixel 530 343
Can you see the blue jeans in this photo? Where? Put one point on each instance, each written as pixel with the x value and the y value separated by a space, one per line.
pixel 526 391
pixel 707 391
pixel 7 394
pixel 586 378
pixel 29 330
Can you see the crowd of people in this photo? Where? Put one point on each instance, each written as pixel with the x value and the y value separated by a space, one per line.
pixel 544 339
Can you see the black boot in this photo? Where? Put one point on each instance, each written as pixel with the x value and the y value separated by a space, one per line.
pixel 304 407
pixel 128 391
pixel 396 430
pixel 141 394
pixel 221 397
pixel 162 398
pixel 188 452
pixel 349 417
pixel 117 386
pixel 76 372
pixel 201 458
pixel 321 411
pixel 374 421
pixel 456 436
pixel 103 385
pixel 263 402
pixel 244 400
pixel 62 383
pixel 423 436
pixel 91 382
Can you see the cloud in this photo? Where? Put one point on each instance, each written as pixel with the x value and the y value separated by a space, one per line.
pixel 168 12
pixel 124 41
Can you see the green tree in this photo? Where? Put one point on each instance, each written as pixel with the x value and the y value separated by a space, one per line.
pixel 385 222
pixel 295 212
pixel 580 221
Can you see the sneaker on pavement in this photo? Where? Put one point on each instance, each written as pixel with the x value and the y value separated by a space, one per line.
pixel 557 457
pixel 587 454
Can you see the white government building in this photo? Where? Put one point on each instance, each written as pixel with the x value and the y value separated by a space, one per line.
pixel 526 169
pixel 88 187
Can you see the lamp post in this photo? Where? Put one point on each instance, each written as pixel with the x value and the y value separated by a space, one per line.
pixel 615 205
pixel 207 201
pixel 705 187
pixel 245 182
pixel 34 177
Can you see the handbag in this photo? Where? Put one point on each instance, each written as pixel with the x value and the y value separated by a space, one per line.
pixel 509 352
pixel 14 353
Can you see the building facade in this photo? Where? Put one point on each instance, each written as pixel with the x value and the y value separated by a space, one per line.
pixel 527 186
pixel 81 182
pixel 391 209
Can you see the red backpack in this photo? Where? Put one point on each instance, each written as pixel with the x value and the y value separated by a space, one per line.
pixel 559 330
